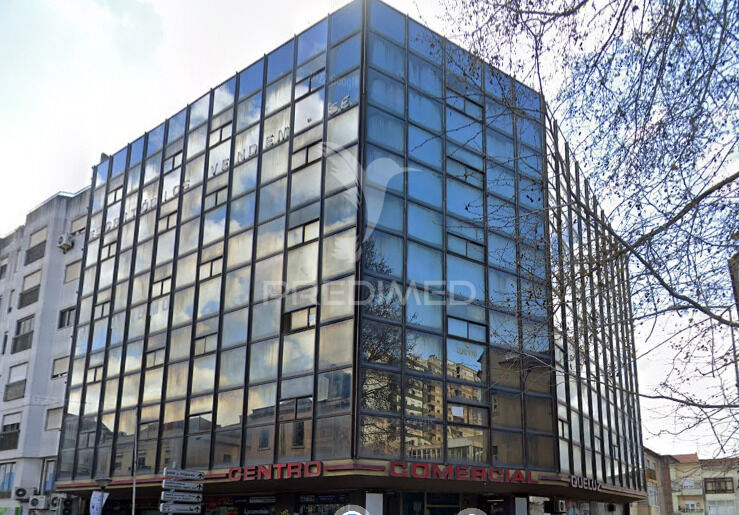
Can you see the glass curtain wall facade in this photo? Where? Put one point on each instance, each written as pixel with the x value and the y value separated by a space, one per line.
pixel 227 247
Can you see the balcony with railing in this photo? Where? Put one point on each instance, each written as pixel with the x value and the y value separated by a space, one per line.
pixel 21 342
pixel 15 390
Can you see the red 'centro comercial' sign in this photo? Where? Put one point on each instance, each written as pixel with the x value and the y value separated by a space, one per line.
pixel 414 470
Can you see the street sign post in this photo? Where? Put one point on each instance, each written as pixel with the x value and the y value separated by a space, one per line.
pixel 184 486
pixel 179 508
pixel 172 496
pixel 192 475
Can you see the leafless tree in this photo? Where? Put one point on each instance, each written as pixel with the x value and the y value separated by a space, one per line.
pixel 647 96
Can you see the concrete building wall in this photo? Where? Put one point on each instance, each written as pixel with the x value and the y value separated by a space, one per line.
pixel 29 427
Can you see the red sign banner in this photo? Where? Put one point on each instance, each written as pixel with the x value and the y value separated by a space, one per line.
pixel 414 470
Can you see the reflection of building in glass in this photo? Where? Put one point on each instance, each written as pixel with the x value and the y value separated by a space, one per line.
pixel 220 277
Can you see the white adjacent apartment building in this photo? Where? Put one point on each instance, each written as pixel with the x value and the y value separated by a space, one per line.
pixel 39 270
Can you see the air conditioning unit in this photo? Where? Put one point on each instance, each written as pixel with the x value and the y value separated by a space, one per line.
pixel 65 242
pixel 38 502
pixel 56 501
pixel 20 494
pixel 561 506
pixel 556 506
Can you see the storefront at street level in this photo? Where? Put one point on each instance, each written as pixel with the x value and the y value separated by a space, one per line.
pixel 399 487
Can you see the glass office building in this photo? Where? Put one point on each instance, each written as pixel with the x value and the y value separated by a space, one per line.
pixel 364 270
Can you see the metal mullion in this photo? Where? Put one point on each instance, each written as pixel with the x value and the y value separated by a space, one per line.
pixel 584 323
pixel 283 293
pixel 173 277
pixel 444 312
pixel 152 268
pixel 597 283
pixel 404 273
pixel 620 346
pixel 627 373
pixel 575 325
pixel 602 273
pixel 103 221
pixel 619 351
pixel 224 269
pixel 611 303
pixel 608 360
pixel 319 261
pixel 519 304
pixel 589 224
pixel 196 295
pixel 562 290
pixel 486 246
pixel 252 262
pixel 124 343
pixel 358 273
pixel 544 185
pixel 637 421
pixel 93 297
pixel 113 290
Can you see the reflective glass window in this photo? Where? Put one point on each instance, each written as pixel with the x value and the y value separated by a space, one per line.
pixel 203 374
pixel 379 437
pixel 424 42
pixel 424 111
pixel 502 216
pixel 465 361
pixel 342 129
pixel 343 57
pixel 383 210
pixel 268 278
pixel 305 185
pixel 425 76
pixel 340 210
pixel 380 391
pixel 272 199
pixel 238 287
pixel 312 41
pixel 463 130
pixel 239 249
pixel 384 169
pixel 424 146
pixel 385 129
pixel 387 93
pixel 425 224
pixel 381 298
pixel 277 95
pixel 465 279
pixel 265 319
pixel 339 252
pixel 381 343
pixel 424 309
pixel 499 147
pixel 334 392
pixel 341 170
pixel 270 237
pixel 383 254
pixel 424 265
pixel 302 266
pixel 280 61
pixel 235 327
pixel 424 184
pixel 309 110
pixel 387 21
pixel 346 20
pixel 424 398
pixel 386 56
pixel 424 352
pixel 261 404
pixel 336 344
pixel 263 361
pixel 231 372
pixel 251 79
pixel 249 111
pixel 343 93
pixel 464 200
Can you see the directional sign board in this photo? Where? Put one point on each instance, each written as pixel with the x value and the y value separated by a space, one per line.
pixel 169 484
pixel 183 474
pixel 179 508
pixel 181 497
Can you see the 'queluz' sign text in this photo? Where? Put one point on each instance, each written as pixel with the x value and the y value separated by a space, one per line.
pixel 584 483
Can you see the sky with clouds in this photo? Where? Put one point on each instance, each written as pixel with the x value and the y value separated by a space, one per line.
pixel 89 76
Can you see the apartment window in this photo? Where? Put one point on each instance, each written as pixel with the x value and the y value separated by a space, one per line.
pixel 719 485
pixel 66 317
pixel 9 432
pixel 23 335
pixel 72 271
pixel 78 225
pixel 54 418
pixel 16 386
pixel 7 471
pixel 59 367
pixel 3 267
pixel 31 287
pixel 49 475
pixel 36 246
